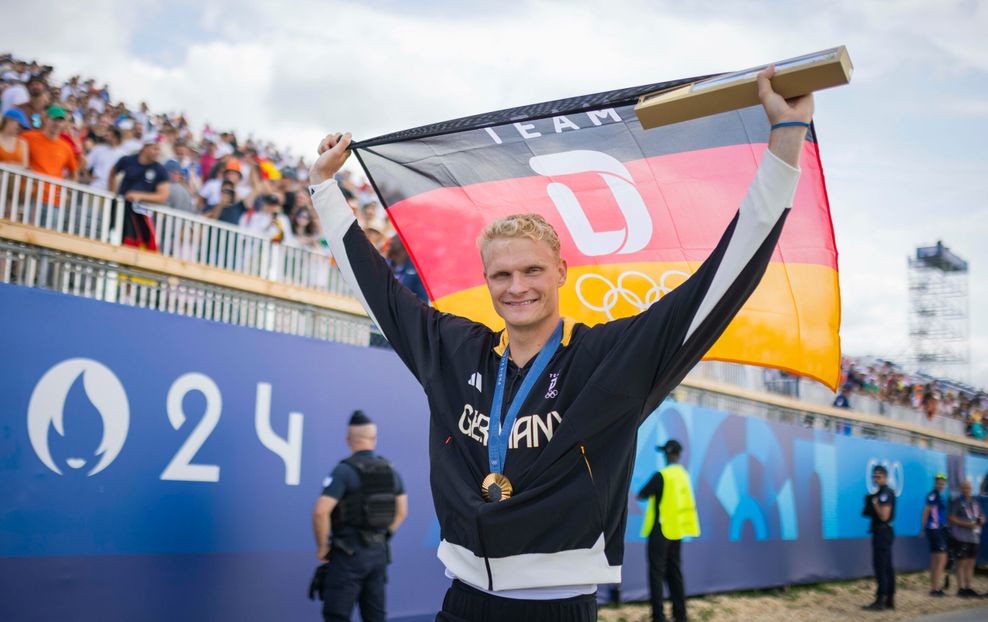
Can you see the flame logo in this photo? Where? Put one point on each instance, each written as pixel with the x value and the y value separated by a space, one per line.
pixel 47 406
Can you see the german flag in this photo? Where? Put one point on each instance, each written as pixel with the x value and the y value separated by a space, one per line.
pixel 637 211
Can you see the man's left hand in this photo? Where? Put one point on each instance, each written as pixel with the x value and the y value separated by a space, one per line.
pixel 322 553
pixel 781 110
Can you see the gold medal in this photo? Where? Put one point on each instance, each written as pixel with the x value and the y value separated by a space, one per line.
pixel 496 487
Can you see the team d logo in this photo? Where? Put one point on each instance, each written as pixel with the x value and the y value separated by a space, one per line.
pixel 46 410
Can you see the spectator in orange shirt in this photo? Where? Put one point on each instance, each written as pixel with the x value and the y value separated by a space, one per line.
pixel 13 148
pixel 48 154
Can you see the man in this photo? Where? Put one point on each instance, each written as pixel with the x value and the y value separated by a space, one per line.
pixel 880 508
pixel 532 517
pixel 17 73
pixel 935 526
pixel 38 102
pixel 210 193
pixel 363 503
pixel 671 505
pixel 129 141
pixel 179 196
pixel 144 181
pixel 229 209
pixel 966 519
pixel 104 156
pixel 269 221
pixel 842 400
pixel 48 154
pixel 13 96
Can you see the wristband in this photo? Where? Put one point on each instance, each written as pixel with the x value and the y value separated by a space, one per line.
pixel 791 124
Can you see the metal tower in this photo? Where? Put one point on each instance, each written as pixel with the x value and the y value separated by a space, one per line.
pixel 938 312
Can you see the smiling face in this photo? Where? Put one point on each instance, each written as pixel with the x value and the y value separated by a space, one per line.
pixel 879 478
pixel 523 277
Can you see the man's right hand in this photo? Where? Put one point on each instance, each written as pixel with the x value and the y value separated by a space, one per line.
pixel 333 152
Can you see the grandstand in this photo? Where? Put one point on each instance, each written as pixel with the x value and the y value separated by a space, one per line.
pixel 203 275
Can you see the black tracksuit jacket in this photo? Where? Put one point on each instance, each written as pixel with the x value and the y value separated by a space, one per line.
pixel 572 446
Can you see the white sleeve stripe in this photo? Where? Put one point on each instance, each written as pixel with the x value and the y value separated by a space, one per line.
pixel 336 218
pixel 770 194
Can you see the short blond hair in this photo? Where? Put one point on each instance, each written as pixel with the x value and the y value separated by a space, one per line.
pixel 532 226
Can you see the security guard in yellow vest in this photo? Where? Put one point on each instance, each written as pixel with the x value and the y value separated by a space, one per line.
pixel 671 505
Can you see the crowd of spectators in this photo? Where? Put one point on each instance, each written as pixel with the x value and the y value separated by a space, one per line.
pixel 74 129
pixel 890 384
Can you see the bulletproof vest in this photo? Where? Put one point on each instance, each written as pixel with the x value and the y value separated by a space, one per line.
pixel 874 518
pixel 372 508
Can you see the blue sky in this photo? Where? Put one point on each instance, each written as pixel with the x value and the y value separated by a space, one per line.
pixel 903 146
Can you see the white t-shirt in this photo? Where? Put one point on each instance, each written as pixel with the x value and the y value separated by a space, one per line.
pixel 101 160
pixel 264 224
pixel 131 146
pixel 14 96
pixel 211 191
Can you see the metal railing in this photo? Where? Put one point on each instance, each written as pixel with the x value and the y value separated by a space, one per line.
pixel 60 205
pixel 90 278
pixel 68 207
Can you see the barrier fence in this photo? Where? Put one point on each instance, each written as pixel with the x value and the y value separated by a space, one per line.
pixel 89 278
pixel 67 207
pixel 59 205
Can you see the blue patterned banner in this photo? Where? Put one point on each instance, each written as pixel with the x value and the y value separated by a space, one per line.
pixel 155 467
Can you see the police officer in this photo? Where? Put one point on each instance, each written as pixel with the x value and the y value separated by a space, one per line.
pixel 362 505
pixel 880 508
pixel 935 525
pixel 671 505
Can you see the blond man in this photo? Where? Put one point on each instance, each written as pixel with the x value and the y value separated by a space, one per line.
pixel 533 428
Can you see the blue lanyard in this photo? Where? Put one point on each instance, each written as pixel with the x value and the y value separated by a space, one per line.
pixel 497 440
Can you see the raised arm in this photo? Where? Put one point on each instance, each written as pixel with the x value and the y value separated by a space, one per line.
pixel 416 331
pixel 649 354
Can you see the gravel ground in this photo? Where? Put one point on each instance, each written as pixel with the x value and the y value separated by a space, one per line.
pixel 824 602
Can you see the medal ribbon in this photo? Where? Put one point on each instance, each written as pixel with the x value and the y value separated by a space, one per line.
pixel 497 438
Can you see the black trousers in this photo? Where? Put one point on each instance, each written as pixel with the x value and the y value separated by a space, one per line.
pixel 882 538
pixel 466 604
pixel 664 565
pixel 356 579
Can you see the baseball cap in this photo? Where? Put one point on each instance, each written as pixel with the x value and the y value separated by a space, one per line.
pixel 149 139
pixel 55 112
pixel 672 446
pixel 172 166
pixel 940 476
pixel 125 124
pixel 233 165
pixel 18 116
pixel 880 469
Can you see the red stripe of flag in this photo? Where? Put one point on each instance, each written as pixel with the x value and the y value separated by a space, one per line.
pixel 691 197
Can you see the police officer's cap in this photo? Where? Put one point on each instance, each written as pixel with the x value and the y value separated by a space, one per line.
pixel 672 446
pixel 359 418
pixel 880 469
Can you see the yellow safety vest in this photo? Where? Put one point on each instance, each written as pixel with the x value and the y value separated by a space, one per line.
pixel 677 509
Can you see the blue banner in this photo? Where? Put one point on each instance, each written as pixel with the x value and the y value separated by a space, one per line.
pixel 156 467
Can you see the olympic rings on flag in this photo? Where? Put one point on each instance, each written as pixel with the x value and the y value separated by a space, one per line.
pixel 618 292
